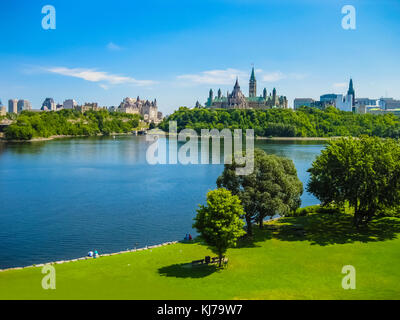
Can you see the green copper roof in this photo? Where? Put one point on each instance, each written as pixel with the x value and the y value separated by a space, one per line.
pixel 253 76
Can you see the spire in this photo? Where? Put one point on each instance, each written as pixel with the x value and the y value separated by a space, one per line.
pixel 252 84
pixel 253 76
pixel 237 83
pixel 351 91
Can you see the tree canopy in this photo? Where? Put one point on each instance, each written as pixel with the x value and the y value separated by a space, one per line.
pixel 273 187
pixel 30 125
pixel 363 173
pixel 219 222
pixel 304 122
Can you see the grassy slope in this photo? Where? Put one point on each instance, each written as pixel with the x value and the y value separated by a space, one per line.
pixel 277 265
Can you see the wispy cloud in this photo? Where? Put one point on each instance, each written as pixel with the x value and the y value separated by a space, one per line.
pixel 113 47
pixel 278 75
pixel 228 76
pixel 94 75
pixel 340 85
pixel 273 76
pixel 214 77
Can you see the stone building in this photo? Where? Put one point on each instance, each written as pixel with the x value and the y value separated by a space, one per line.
pixel 147 109
pixel 49 105
pixel 237 100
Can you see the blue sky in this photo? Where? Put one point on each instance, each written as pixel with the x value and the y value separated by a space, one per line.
pixel 176 51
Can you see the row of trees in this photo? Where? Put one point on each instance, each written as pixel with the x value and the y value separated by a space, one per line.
pixel 360 173
pixel 304 122
pixel 273 188
pixel 363 174
pixel 30 125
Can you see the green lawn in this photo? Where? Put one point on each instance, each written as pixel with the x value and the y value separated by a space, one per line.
pixel 278 264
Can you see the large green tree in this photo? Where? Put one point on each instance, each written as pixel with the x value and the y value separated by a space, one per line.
pixel 272 188
pixel 363 173
pixel 219 222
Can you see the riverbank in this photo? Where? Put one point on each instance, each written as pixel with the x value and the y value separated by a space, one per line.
pixel 297 138
pixel 88 258
pixel 63 137
pixel 111 254
pixel 279 263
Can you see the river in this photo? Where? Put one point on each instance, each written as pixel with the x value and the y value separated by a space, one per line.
pixel 60 199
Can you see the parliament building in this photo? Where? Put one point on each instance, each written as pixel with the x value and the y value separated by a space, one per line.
pixel 237 100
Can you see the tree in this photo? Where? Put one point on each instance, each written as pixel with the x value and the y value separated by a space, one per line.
pixel 219 222
pixel 363 173
pixel 273 187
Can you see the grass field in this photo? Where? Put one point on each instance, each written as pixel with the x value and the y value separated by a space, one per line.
pixel 279 264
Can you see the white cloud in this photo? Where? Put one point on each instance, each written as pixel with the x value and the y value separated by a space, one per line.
pixel 273 76
pixel 113 47
pixel 221 77
pixel 278 75
pixel 228 76
pixel 93 75
pixel 340 85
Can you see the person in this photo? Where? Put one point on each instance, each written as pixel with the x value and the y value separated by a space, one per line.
pixel 190 237
pixel 187 237
pixel 96 254
pixel 90 254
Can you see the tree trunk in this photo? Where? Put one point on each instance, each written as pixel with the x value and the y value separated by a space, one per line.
pixel 220 258
pixel 261 223
pixel 249 226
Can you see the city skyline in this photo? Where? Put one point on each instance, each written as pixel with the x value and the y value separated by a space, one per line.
pixel 176 53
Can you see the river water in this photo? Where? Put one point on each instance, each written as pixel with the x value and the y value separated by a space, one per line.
pixel 60 199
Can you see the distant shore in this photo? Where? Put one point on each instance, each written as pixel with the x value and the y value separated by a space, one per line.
pixel 63 137
pixel 168 134
pixel 298 138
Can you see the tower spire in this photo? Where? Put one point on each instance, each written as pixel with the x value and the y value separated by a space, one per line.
pixel 351 91
pixel 253 84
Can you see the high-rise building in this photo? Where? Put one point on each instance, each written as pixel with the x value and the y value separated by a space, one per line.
pixel 3 110
pixel 301 102
pixel 23 105
pixel 70 104
pixel 49 104
pixel 13 106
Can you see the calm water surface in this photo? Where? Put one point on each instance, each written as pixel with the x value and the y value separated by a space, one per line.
pixel 60 199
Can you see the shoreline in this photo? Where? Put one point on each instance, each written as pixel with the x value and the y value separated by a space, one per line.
pixel 51 138
pixel 105 254
pixel 298 138
pixel 88 258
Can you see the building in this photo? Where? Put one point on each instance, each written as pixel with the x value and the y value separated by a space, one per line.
pixel 340 101
pixel 70 104
pixel 23 105
pixel 366 102
pixel 13 106
pixel 49 105
pixel 328 98
pixel 344 103
pixel 237 100
pixel 389 103
pixel 301 102
pixel 147 109
pixel 352 93
pixel 89 106
pixel 3 110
